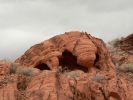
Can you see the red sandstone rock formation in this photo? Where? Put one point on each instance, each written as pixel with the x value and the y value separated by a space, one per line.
pixel 74 66
pixel 72 47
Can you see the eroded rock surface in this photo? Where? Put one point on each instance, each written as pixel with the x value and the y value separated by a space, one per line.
pixel 74 48
pixel 75 51
pixel 73 66
pixel 126 44
pixel 122 51
pixel 122 56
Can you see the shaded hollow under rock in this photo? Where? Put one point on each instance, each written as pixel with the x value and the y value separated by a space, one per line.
pixel 42 66
pixel 96 60
pixel 69 61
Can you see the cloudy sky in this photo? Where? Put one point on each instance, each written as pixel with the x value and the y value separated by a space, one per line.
pixel 24 23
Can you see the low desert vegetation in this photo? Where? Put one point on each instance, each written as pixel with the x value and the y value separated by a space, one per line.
pixel 126 67
pixel 97 78
pixel 68 72
pixel 115 42
pixel 73 74
pixel 24 76
pixel 22 82
pixel 114 47
pixel 13 68
pixel 27 72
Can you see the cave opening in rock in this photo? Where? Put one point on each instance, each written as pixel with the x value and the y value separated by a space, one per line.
pixel 96 60
pixel 69 62
pixel 42 66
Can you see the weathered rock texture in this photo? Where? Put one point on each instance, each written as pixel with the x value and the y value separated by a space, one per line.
pixel 122 50
pixel 8 85
pixel 73 66
pixel 75 48
pixel 122 55
pixel 126 44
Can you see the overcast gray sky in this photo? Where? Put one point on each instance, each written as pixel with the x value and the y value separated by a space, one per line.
pixel 24 23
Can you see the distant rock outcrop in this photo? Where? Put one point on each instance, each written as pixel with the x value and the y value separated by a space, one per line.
pixel 122 51
pixel 126 44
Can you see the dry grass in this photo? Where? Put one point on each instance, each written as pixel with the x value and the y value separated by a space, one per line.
pixel 13 68
pixel 126 68
pixel 22 82
pixel 26 72
pixel 97 78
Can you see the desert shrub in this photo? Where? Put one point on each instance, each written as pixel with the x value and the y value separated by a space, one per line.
pixel 126 67
pixel 67 72
pixel 97 78
pixel 27 72
pixel 24 78
pixel 22 82
pixel 20 95
pixel 72 74
pixel 114 42
pixel 62 70
pixel 13 68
